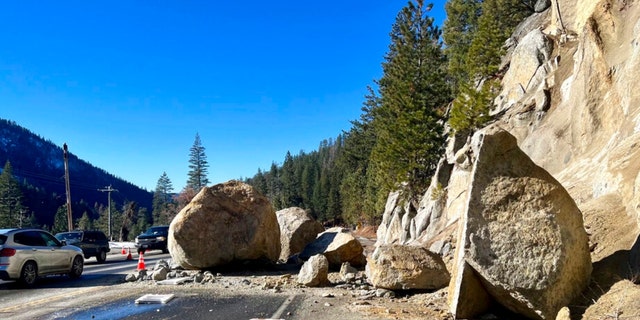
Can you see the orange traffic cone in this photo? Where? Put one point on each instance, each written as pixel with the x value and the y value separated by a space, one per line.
pixel 129 257
pixel 123 251
pixel 141 262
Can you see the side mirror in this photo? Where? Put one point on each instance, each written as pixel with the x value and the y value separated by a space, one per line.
pixel 64 242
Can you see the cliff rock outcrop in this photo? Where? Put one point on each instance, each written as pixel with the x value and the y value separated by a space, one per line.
pixel 570 98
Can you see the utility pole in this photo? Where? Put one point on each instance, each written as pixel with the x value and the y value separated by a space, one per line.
pixel 66 183
pixel 108 190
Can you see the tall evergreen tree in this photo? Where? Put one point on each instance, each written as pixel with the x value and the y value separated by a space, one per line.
pixel 164 186
pixel 85 223
pixel 290 182
pixel 198 166
pixel 11 208
pixel 129 219
pixel 478 83
pixel 274 185
pixel 458 32
pixel 142 224
pixel 413 93
pixel 164 208
pixel 60 220
pixel 495 25
pixel 259 181
pixel 358 193
pixel 470 110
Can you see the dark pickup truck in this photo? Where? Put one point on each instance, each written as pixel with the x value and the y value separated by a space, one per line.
pixel 155 238
pixel 92 243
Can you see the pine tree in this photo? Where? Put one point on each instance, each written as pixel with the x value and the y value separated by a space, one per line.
pixel 60 220
pixel 11 208
pixel 413 92
pixel 129 219
pixel 470 110
pixel 458 32
pixel 164 186
pixel 290 182
pixel 198 166
pixel 85 223
pixel 142 223
pixel 354 161
pixel 478 80
pixel 259 181
pixel 274 185
pixel 164 208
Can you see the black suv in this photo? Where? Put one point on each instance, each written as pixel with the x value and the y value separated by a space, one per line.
pixel 92 243
pixel 155 238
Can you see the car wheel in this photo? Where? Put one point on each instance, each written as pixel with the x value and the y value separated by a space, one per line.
pixel 29 273
pixel 76 267
pixel 101 257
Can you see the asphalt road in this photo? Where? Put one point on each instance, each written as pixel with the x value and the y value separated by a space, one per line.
pixel 60 292
pixel 99 294
pixel 193 307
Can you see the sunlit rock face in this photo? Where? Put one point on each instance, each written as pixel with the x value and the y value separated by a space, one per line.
pixel 224 223
pixel 522 235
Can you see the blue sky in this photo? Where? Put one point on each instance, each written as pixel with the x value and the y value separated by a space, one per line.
pixel 128 84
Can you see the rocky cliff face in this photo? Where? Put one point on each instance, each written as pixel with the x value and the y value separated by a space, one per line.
pixel 570 97
pixel 588 136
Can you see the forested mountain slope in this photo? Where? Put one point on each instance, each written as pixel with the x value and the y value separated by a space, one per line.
pixel 38 165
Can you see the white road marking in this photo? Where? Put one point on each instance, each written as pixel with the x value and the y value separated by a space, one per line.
pixel 283 307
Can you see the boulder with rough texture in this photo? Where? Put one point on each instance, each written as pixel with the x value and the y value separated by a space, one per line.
pixel 314 272
pixel 224 223
pixel 404 267
pixel 159 274
pixel 338 246
pixel 522 235
pixel 297 229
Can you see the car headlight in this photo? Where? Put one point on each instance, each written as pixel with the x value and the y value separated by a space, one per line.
pixel 161 238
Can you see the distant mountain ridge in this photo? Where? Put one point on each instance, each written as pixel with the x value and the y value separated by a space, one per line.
pixel 39 163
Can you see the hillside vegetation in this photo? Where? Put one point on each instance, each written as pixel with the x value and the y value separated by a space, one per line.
pixel 429 89
pixel 32 190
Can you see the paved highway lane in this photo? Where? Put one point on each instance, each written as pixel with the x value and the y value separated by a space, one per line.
pixel 194 306
pixel 59 292
pixel 101 293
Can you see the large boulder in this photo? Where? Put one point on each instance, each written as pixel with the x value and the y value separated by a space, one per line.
pixel 338 246
pixel 297 229
pixel 405 267
pixel 224 223
pixel 522 236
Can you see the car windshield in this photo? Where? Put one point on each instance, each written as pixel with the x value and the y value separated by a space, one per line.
pixel 157 230
pixel 69 236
